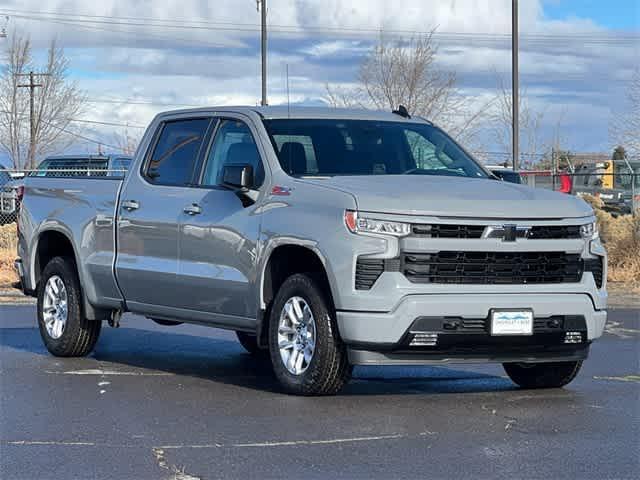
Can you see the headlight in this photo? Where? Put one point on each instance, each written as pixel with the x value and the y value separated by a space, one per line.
pixel 589 231
pixel 357 224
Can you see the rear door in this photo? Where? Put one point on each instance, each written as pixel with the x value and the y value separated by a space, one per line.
pixel 219 232
pixel 151 205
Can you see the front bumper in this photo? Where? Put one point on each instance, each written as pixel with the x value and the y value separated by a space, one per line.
pixel 381 338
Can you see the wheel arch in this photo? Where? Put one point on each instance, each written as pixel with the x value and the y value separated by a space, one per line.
pixel 56 242
pixel 283 260
pixel 50 243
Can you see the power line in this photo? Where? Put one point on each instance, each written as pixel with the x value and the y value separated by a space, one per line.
pixel 78 135
pixel 142 102
pixel 128 32
pixel 112 124
pixel 82 120
pixel 87 139
pixel 591 38
pixel 188 23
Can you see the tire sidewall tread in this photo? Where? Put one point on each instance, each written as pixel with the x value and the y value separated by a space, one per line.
pixel 543 375
pixel 329 368
pixel 79 335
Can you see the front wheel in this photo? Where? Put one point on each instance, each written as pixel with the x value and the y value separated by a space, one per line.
pixel 307 354
pixel 63 328
pixel 542 375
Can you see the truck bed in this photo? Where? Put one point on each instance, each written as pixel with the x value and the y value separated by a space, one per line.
pixel 83 208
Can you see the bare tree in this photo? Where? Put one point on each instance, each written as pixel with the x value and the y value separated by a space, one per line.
pixel 14 105
pixel 625 125
pixel 405 73
pixel 126 142
pixel 56 101
pixel 532 143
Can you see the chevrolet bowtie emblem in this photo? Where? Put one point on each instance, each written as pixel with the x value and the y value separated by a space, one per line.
pixel 508 233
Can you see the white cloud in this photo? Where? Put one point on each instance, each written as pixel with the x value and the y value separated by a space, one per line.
pixel 321 41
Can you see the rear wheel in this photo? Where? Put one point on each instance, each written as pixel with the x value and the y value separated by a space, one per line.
pixel 63 327
pixel 307 354
pixel 542 375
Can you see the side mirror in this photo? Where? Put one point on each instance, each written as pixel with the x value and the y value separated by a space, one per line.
pixel 238 176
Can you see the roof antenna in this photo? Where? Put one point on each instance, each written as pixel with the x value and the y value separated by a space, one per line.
pixel 288 97
pixel 402 111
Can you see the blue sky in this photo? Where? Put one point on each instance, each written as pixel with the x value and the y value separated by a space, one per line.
pixel 577 56
pixel 615 14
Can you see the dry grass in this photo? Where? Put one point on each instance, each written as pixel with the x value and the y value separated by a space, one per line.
pixel 8 241
pixel 621 237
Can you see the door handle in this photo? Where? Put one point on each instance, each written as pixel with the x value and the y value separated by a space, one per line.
pixel 130 205
pixel 193 209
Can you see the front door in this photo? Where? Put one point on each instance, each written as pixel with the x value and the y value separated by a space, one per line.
pixel 151 206
pixel 219 233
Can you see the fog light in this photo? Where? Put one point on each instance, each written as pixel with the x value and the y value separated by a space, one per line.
pixel 423 339
pixel 573 337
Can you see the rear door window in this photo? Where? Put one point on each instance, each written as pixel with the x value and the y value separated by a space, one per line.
pixel 176 152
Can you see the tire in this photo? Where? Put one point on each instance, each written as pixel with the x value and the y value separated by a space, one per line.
pixel 542 375
pixel 77 336
pixel 250 344
pixel 327 369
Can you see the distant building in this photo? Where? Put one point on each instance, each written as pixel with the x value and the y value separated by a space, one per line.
pixel 589 158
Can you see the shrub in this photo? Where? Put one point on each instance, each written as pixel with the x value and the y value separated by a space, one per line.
pixel 621 237
pixel 8 241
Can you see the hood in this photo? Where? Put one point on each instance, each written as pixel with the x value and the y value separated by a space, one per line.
pixel 455 197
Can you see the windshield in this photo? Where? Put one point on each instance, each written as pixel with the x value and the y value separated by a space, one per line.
pixel 322 147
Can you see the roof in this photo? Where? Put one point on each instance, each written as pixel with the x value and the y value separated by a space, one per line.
pixel 283 111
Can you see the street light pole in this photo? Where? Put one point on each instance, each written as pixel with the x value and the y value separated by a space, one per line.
pixel 515 85
pixel 263 41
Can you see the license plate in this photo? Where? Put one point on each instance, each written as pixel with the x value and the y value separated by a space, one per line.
pixel 606 196
pixel 511 322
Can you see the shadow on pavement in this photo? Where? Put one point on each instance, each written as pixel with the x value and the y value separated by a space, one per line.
pixel 224 361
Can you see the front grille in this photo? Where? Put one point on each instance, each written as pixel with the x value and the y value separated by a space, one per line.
pixel 368 270
pixel 537 232
pixel 596 267
pixel 448 231
pixel 555 232
pixel 492 267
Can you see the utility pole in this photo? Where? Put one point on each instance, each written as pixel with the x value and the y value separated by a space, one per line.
pixel 262 5
pixel 515 85
pixel 32 85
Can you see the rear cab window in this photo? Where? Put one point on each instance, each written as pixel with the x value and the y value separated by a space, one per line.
pixel 175 155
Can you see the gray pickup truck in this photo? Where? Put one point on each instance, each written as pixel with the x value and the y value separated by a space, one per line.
pixel 325 238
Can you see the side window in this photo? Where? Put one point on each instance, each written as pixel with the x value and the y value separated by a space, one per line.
pixel 233 145
pixel 176 152
pixel 425 153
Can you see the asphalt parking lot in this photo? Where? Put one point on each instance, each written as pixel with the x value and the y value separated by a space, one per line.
pixel 186 402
